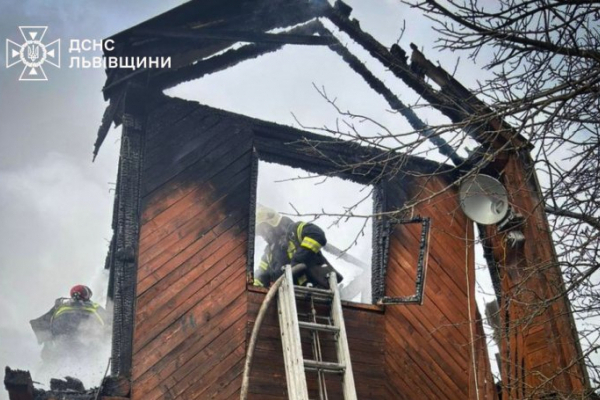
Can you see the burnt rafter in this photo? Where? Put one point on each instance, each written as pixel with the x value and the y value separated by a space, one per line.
pixel 450 100
pixel 263 43
pixel 395 103
pixel 197 32
pixel 460 94
pixel 166 79
pixel 236 36
pixel 397 65
pixel 209 15
pixel 454 100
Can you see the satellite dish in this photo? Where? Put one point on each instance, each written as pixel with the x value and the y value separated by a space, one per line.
pixel 483 199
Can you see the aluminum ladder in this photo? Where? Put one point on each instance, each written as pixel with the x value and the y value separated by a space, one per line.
pixel 295 363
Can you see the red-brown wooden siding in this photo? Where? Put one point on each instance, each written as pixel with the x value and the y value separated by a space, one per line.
pixel 194 312
pixel 428 347
pixel 190 319
pixel 539 353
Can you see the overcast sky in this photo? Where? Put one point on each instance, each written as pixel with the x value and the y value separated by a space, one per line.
pixel 56 205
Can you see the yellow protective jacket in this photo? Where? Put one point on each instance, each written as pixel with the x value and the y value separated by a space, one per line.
pixel 65 318
pixel 300 244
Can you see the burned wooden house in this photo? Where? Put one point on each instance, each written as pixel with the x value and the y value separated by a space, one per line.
pixel 181 259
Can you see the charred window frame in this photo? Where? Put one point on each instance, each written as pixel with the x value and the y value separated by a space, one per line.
pixel 324 156
pixel 389 225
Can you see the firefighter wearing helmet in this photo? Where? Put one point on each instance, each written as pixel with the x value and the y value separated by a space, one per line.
pixel 72 323
pixel 290 242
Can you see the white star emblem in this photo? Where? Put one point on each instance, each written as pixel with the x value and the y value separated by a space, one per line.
pixel 33 53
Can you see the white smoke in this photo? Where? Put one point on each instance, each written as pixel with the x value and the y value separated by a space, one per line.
pixel 56 216
pixel 86 355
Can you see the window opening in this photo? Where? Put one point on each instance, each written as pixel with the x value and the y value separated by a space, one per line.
pixel 421 267
pixel 341 208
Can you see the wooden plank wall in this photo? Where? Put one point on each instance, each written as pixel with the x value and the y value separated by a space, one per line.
pixel 428 347
pixel 539 350
pixel 194 313
pixel 190 317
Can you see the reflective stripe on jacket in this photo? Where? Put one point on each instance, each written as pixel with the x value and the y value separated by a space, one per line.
pixel 302 245
pixel 87 307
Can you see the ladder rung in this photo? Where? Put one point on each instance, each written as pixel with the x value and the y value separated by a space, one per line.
pixel 318 327
pixel 314 291
pixel 324 366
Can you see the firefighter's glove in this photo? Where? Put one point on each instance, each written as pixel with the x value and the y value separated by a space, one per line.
pixel 304 256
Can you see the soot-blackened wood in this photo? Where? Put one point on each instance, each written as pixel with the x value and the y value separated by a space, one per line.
pixel 179 213
pixel 451 104
pixel 127 213
pixel 491 130
pixel 217 152
pixel 18 384
pixel 197 251
pixel 237 36
pixel 395 103
pixel 239 15
pixel 157 207
pixel 167 149
pixel 162 264
pixel 166 79
pixel 397 65
pixel 182 230
pixel 109 116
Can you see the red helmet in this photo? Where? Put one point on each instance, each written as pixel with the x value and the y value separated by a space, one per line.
pixel 81 292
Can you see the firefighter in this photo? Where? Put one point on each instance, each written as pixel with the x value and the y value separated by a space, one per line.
pixel 290 242
pixel 72 325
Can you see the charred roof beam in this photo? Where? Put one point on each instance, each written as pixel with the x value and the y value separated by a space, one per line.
pixel 236 36
pixel 446 100
pixel 394 102
pixel 164 79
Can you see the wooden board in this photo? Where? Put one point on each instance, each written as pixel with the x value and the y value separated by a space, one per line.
pixel 190 318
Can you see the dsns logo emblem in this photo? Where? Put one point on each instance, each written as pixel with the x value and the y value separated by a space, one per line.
pixel 33 53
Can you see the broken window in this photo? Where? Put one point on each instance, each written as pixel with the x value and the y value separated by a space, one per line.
pixel 341 208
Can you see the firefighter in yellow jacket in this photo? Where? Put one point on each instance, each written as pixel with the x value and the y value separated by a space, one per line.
pixel 290 242
pixel 72 325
